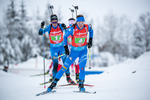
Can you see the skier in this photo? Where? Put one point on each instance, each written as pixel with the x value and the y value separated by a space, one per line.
pixel 78 49
pixel 55 31
pixel 69 42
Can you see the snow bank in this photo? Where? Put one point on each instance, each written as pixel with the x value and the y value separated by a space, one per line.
pixel 127 81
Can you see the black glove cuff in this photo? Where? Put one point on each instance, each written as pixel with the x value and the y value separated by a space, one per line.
pixel 66 46
pixel 90 39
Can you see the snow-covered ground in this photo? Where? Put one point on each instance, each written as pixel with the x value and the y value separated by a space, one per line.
pixel 127 81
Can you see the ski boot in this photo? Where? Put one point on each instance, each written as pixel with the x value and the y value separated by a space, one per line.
pixel 77 77
pixel 69 80
pixel 54 83
pixel 81 86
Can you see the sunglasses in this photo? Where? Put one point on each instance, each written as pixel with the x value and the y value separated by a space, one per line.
pixel 80 23
pixel 54 22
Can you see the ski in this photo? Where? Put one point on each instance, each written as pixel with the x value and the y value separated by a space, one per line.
pixel 69 84
pixel 85 92
pixel 45 82
pixel 38 75
pixel 45 92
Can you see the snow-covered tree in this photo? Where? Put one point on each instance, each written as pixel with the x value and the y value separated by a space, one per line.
pixel 17 41
pixel 12 51
pixel 114 35
pixel 27 36
pixel 141 41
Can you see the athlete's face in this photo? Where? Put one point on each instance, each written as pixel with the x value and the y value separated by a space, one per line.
pixel 71 22
pixel 80 24
pixel 54 23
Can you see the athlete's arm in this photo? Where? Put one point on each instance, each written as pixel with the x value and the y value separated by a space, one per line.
pixel 90 31
pixel 68 32
pixel 44 30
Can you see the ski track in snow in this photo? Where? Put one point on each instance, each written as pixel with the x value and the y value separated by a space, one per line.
pixel 127 81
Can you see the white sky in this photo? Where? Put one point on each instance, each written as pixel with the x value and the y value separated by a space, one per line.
pixel 93 8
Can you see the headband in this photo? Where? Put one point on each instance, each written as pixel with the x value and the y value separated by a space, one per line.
pixel 80 19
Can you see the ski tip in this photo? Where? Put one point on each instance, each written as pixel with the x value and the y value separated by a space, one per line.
pixel 37 94
pixel 133 72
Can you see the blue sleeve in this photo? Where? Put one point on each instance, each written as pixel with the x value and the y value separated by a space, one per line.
pixel 61 27
pixel 44 30
pixel 40 31
pixel 68 32
pixel 90 31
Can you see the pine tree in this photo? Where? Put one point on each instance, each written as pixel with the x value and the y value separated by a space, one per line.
pixel 25 34
pixel 11 37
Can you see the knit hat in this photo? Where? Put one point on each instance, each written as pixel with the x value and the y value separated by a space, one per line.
pixel 53 17
pixel 71 19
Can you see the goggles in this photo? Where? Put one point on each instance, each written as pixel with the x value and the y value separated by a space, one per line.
pixel 71 22
pixel 54 22
pixel 80 23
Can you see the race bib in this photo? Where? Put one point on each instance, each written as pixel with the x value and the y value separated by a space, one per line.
pixel 69 40
pixel 79 40
pixel 56 38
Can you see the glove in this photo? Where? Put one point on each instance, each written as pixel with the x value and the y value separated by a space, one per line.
pixel 66 50
pixel 64 26
pixel 42 24
pixel 90 43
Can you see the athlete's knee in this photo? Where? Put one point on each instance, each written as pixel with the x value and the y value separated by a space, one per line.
pixel 82 69
pixel 64 69
pixel 83 60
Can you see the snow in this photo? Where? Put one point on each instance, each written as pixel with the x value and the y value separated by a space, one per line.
pixel 126 81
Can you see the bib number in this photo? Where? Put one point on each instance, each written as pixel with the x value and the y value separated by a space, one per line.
pixel 56 38
pixel 79 40
pixel 69 40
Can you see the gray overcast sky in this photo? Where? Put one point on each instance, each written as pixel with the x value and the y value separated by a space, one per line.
pixel 93 8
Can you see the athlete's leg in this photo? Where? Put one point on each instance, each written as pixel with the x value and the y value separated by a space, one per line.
pixel 54 54
pixel 69 60
pixel 82 64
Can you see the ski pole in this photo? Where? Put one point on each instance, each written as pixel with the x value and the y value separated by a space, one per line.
pixel 90 58
pixel 72 12
pixel 76 8
pixel 59 56
pixel 51 7
pixel 44 59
